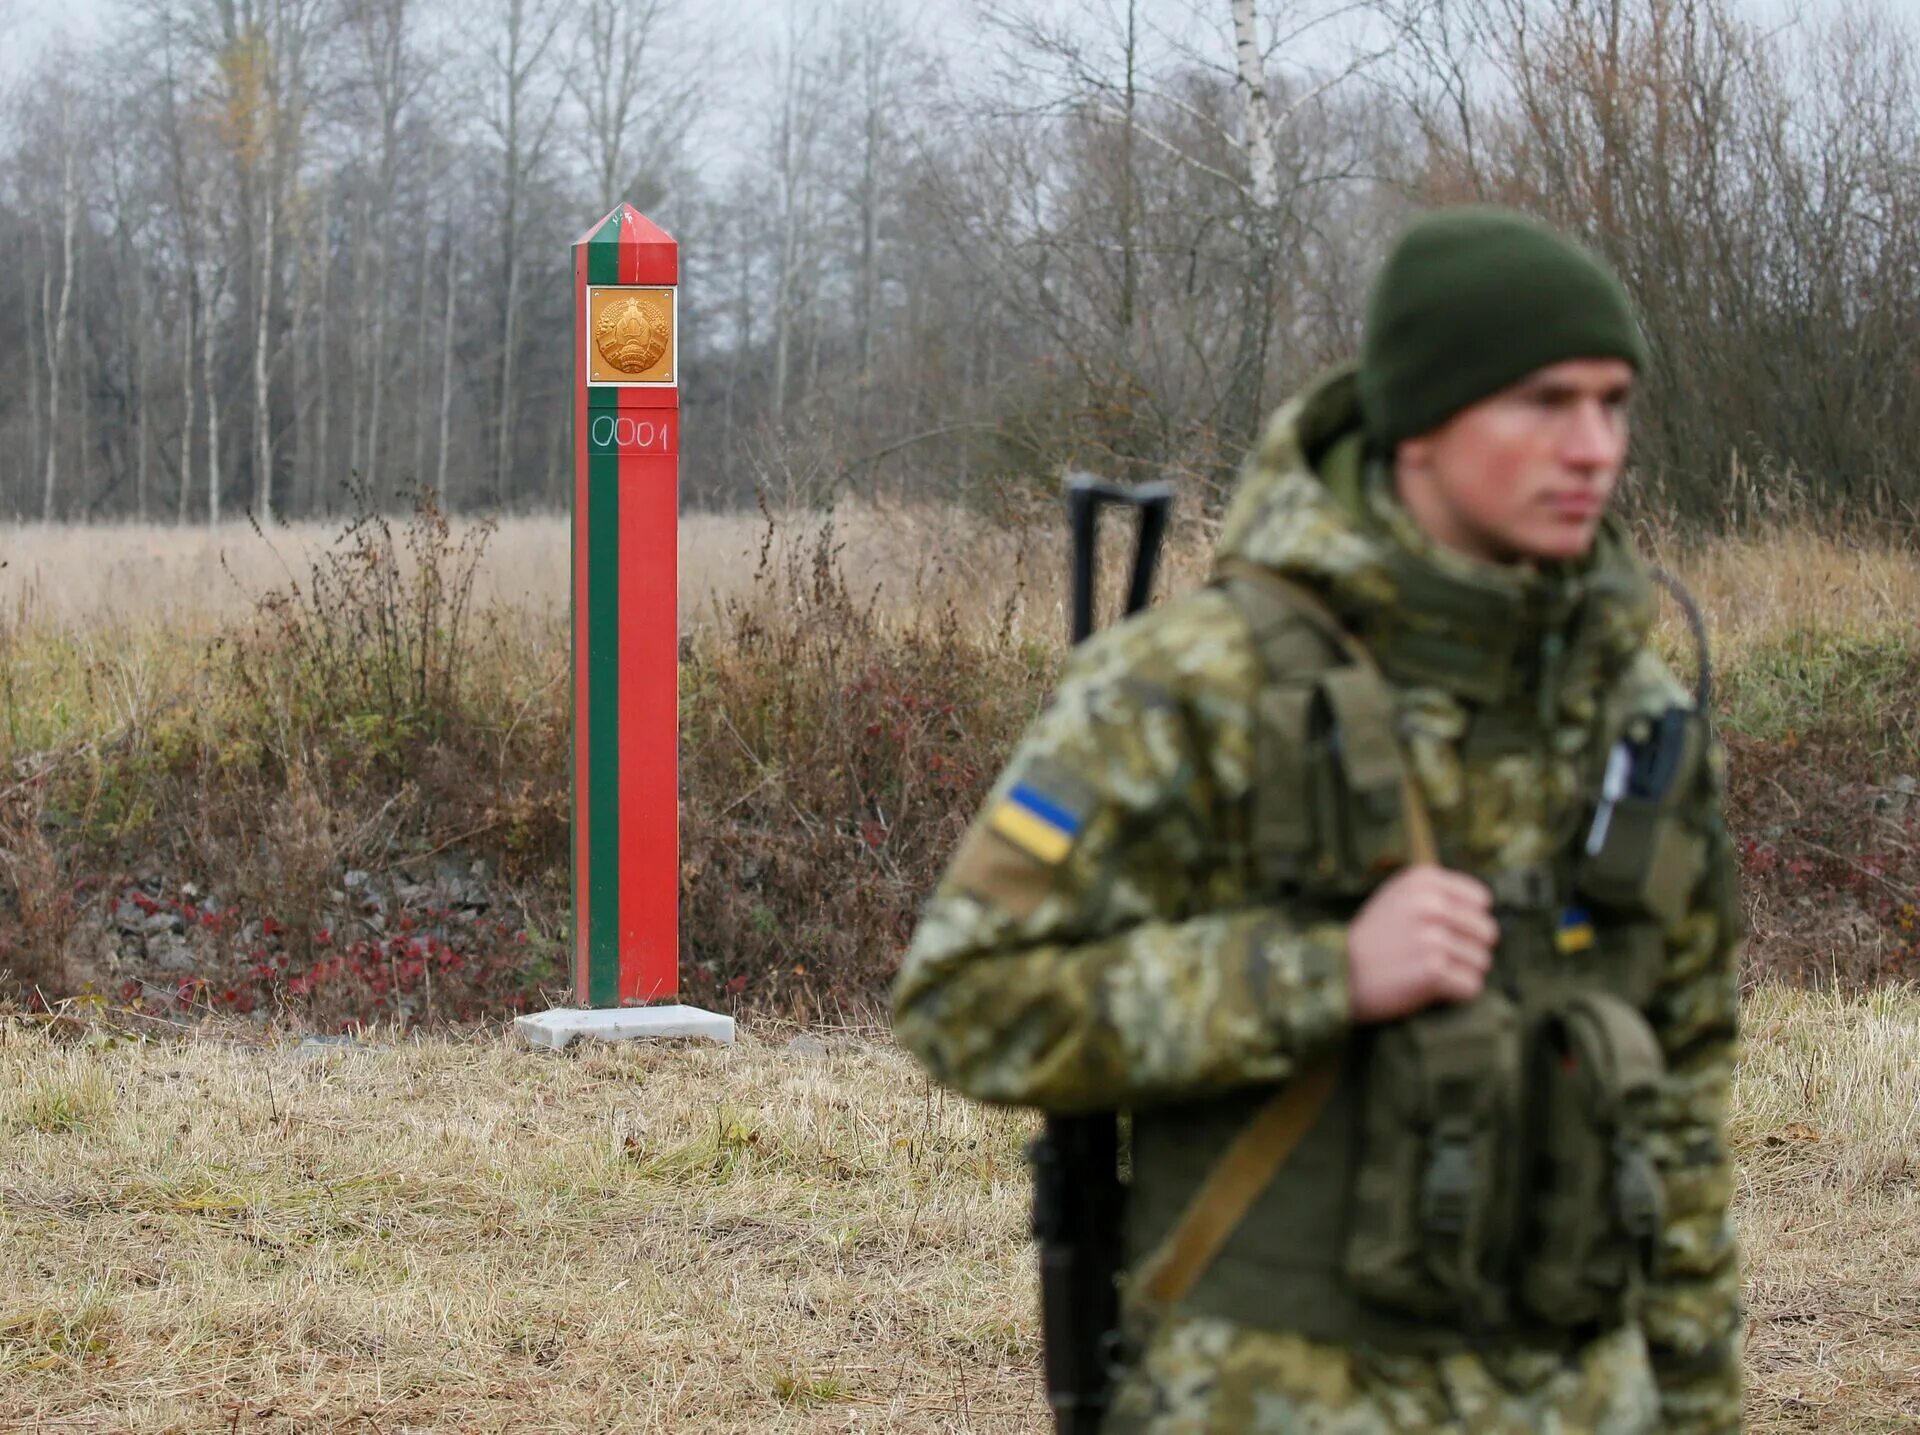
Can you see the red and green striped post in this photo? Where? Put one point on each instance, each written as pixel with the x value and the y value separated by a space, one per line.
pixel 626 641
pixel 626 827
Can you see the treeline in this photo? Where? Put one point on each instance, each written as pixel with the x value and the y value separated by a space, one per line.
pixel 260 246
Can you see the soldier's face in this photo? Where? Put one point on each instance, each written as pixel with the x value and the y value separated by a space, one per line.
pixel 1526 474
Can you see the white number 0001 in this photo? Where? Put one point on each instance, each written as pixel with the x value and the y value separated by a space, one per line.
pixel 623 433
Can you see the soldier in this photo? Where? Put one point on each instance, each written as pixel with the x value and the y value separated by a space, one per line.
pixel 1401 831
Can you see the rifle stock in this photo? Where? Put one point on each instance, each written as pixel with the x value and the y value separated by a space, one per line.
pixel 1079 1203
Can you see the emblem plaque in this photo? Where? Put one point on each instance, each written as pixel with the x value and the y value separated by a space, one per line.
pixel 630 335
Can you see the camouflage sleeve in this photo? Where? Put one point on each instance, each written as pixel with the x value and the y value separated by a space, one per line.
pixel 1694 1319
pixel 1087 948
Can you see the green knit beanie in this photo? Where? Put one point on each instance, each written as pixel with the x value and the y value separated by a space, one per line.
pixel 1473 300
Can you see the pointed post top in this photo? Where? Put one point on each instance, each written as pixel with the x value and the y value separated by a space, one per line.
pixel 628 248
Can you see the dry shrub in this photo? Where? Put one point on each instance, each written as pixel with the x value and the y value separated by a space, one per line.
pixel 1829 851
pixel 1817 676
pixel 832 753
pixel 377 642
pixel 374 713
pixel 363 717
pixel 38 911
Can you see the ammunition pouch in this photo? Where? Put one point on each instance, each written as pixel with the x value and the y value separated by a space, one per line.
pixel 1332 738
pixel 1433 1207
pixel 1594 1199
pixel 1496 1163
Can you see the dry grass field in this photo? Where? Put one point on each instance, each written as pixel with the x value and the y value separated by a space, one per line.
pixel 127 577
pixel 210 1226
pixel 189 582
pixel 461 1235
pixel 226 1233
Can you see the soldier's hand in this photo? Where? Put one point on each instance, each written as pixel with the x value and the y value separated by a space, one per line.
pixel 1426 936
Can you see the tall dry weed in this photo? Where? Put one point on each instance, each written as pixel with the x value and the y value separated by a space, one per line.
pixel 38 907
pixel 377 635
pixel 832 750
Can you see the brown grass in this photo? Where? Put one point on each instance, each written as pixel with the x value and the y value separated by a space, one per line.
pixel 190 582
pixel 466 1236
pixel 1827 1127
pixel 1758 589
pixel 463 1235
pixel 119 586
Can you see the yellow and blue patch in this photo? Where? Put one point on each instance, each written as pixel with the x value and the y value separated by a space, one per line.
pixel 1040 826
pixel 1575 934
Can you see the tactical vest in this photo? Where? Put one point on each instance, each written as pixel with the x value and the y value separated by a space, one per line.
pixel 1479 1174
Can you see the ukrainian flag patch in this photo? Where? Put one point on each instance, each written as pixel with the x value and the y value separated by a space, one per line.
pixel 1042 826
pixel 1576 932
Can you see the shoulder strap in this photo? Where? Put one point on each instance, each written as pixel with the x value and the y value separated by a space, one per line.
pixel 1256 1155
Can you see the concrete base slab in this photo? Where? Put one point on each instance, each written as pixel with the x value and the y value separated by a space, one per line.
pixel 558 1028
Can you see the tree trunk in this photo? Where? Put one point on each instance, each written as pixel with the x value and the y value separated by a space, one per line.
pixel 262 333
pixel 392 43
pixel 1256 115
pixel 1247 381
pixel 358 457
pixel 190 310
pixel 1129 199
pixel 503 414
pixel 377 369
pixel 54 322
pixel 30 468
pixel 210 378
pixel 142 402
pixel 298 477
pixel 321 463
pixel 446 380
pixel 874 98
pixel 510 274
pixel 792 158
pixel 422 349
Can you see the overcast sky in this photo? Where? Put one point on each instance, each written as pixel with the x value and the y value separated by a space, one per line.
pixel 37 22
pixel 740 30
pixel 27 26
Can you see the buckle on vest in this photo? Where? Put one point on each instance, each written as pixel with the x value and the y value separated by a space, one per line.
pixel 1446 1192
pixel 1523 889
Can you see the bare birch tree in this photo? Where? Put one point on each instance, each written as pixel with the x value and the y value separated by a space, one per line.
pixel 522 99
pixel 802 64
pixel 394 81
pixel 55 315
pixel 446 374
pixel 632 88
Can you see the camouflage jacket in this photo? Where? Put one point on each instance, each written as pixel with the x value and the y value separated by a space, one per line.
pixel 1101 939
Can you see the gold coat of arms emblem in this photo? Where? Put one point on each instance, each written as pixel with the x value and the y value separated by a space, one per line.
pixel 630 336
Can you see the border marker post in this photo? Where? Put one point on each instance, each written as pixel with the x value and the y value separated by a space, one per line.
pixel 626 812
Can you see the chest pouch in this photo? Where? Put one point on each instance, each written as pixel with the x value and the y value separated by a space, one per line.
pixel 1434 1195
pixel 1364 795
pixel 1595 1201
pixel 1640 858
pixel 1329 799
